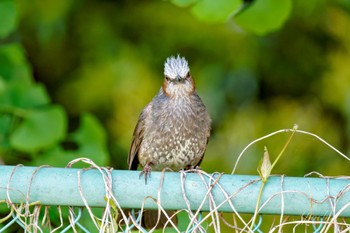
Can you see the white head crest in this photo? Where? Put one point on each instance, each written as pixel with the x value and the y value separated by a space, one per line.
pixel 174 67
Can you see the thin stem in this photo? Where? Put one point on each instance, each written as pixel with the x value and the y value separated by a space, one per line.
pixel 284 148
pixel 257 204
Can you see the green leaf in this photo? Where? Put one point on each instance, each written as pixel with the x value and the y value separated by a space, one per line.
pixel 8 18
pixel 215 11
pixel 13 64
pixel 16 95
pixel 183 3
pixel 55 156
pixel 264 16
pixel 5 122
pixel 40 129
pixel 91 138
pixel 16 86
pixel 29 97
pixel 34 96
pixel 2 85
pixel 5 125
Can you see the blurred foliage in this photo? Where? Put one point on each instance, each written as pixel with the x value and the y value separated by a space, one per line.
pixel 8 16
pixel 33 130
pixel 264 16
pixel 76 74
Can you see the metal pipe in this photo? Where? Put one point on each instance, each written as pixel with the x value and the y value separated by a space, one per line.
pixel 292 195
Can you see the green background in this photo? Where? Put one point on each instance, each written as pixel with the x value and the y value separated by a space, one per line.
pixel 74 76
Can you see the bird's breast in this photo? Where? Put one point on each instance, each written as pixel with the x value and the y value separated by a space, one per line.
pixel 175 136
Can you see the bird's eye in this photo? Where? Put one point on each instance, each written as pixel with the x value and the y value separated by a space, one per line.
pixel 167 78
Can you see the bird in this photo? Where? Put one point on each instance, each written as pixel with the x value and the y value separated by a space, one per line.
pixel 174 128
pixel 172 131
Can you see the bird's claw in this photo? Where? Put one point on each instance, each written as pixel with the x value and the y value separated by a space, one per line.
pixel 193 168
pixel 146 171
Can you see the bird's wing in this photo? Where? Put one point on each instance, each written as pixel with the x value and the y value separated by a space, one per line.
pixel 208 136
pixel 137 139
pixel 200 161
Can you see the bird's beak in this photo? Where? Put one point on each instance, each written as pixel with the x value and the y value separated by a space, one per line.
pixel 178 78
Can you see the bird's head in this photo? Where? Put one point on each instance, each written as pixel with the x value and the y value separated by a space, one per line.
pixel 178 81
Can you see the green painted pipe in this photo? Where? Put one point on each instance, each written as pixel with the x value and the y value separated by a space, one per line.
pixel 59 186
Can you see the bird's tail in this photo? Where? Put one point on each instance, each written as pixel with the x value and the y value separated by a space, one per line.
pixel 151 219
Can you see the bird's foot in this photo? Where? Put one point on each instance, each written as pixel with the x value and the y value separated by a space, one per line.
pixel 193 168
pixel 146 171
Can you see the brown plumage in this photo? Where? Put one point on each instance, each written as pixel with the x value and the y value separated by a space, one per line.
pixel 174 128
